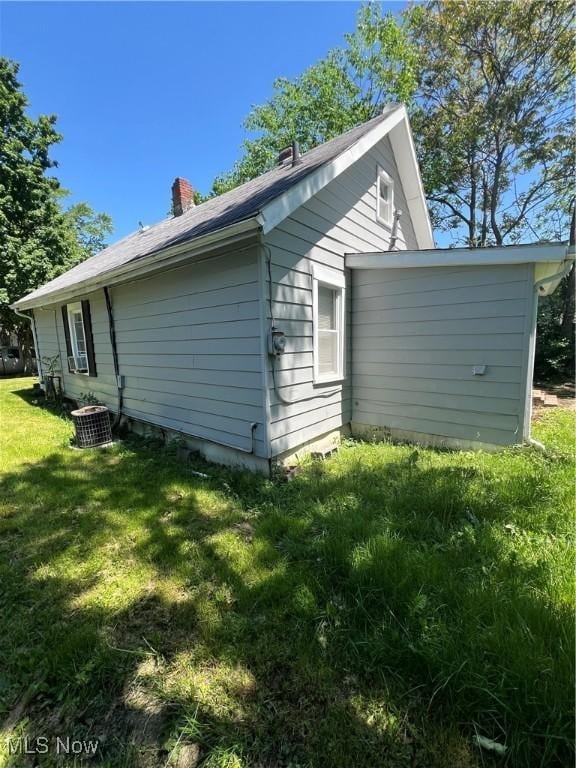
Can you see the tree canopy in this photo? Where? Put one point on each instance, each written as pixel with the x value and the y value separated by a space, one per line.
pixel 349 86
pixel 38 238
pixel 91 228
pixel 488 87
pixel 493 119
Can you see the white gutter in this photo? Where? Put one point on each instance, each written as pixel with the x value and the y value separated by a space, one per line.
pixel 144 265
pixel 546 283
pixel 461 257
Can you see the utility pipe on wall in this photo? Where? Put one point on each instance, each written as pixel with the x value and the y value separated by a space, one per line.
pixel 394 233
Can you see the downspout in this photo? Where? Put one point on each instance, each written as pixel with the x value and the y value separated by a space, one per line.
pixel 32 322
pixel 394 233
pixel 538 290
pixel 119 380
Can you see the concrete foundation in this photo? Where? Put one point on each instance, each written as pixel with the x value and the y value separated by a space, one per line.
pixel 213 452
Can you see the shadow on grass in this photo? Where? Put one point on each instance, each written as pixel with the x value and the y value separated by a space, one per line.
pixel 366 613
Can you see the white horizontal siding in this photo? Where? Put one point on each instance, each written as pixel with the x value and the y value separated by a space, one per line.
pixel 455 356
pixel 417 335
pixel 218 300
pixel 189 350
pixel 154 317
pixel 410 281
pixel 46 335
pixel 340 219
pixel 183 348
pixel 194 377
pixel 437 371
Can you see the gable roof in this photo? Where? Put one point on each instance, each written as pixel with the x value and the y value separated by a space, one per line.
pixel 265 201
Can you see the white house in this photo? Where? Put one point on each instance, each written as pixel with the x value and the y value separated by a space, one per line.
pixel 304 303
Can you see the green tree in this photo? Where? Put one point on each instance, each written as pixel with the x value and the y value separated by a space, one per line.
pixel 38 239
pixel 349 86
pixel 91 228
pixel 494 116
pixel 494 131
pixel 489 85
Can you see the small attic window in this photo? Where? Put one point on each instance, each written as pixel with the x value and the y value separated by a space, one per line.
pixel 384 198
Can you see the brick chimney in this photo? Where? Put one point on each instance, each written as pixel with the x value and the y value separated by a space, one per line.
pixel 182 196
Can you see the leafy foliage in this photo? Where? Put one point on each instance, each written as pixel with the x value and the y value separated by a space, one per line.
pixel 38 239
pixel 90 228
pixel 554 347
pixel 489 87
pixel 488 84
pixel 349 86
pixel 493 122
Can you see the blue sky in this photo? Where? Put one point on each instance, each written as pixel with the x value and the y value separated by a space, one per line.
pixel 148 91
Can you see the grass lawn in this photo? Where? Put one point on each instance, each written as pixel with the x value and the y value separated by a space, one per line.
pixel 381 609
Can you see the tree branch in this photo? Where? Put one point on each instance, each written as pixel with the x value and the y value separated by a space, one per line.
pixel 453 208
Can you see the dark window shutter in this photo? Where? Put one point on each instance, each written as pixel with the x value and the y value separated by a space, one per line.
pixel 67 335
pixel 87 320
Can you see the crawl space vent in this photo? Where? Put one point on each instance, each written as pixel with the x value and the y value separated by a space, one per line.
pixel 92 426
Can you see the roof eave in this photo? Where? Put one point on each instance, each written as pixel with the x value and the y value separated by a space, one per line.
pixel 409 169
pixel 536 253
pixel 152 262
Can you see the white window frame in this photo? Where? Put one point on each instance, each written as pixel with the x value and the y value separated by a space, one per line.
pixel 384 177
pixel 336 281
pixel 73 309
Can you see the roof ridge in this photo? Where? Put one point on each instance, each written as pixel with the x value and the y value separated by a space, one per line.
pixel 246 201
pixel 194 209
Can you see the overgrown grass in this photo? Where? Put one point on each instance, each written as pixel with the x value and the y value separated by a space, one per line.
pixel 380 610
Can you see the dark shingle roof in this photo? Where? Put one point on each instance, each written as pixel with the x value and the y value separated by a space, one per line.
pixel 242 203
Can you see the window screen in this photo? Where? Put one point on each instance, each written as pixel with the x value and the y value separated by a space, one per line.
pixel 329 330
pixel 78 361
pixel 79 332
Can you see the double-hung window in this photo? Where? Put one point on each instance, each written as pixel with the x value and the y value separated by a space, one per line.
pixel 79 361
pixel 384 198
pixel 329 324
pixel 79 340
